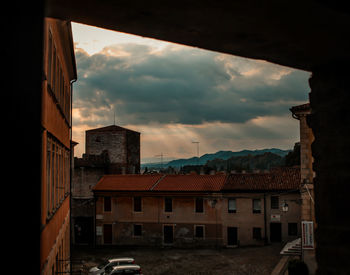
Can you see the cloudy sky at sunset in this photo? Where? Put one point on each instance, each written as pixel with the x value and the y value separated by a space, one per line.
pixel 175 94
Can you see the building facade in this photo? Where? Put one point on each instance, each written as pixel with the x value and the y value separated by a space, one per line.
pixel 197 210
pixel 307 174
pixel 59 73
pixel 122 145
pixel 109 150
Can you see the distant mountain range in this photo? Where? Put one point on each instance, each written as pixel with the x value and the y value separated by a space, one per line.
pixel 223 155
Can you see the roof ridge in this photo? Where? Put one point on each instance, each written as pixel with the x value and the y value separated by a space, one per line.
pixel 157 182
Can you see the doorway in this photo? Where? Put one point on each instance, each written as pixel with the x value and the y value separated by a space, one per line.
pixel 275 232
pixel 107 234
pixel 232 239
pixel 168 232
pixel 83 230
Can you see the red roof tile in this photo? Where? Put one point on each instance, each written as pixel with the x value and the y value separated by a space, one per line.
pixel 276 179
pixel 191 183
pixel 287 178
pixel 127 182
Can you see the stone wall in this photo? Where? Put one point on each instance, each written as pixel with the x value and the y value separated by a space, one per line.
pixel 112 141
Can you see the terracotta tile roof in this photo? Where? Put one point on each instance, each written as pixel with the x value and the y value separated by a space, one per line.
pixel 192 182
pixel 126 182
pixel 287 178
pixel 276 179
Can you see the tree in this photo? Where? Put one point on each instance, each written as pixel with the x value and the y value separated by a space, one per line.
pixel 293 157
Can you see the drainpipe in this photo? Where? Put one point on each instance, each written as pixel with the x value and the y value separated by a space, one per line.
pixel 70 174
pixel 265 221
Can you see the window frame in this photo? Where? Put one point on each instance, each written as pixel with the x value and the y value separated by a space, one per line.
pixel 274 202
pixel 104 204
pixel 166 210
pixel 228 205
pixel 196 209
pixel 256 211
pixel 138 210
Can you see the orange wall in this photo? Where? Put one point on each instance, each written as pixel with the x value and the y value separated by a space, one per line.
pixel 52 228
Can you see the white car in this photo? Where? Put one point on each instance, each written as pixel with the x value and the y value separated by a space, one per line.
pixel 123 269
pixel 110 263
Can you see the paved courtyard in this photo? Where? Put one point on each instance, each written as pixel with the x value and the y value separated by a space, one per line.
pixel 158 261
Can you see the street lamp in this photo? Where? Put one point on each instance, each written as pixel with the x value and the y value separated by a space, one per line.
pixel 285 207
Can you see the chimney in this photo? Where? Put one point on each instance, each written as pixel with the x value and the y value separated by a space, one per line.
pixel 243 171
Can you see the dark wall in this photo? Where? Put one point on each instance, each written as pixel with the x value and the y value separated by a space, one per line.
pixel 133 152
pixel 23 53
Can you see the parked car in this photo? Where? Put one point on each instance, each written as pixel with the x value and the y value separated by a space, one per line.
pixel 123 269
pixel 110 263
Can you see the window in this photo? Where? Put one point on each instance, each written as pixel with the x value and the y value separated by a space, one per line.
pixel 256 233
pixel 231 205
pixel 48 175
pixel 274 202
pixel 107 204
pixel 168 204
pixel 199 205
pixel 53 71
pixel 256 206
pixel 292 229
pixel 199 231
pixel 49 59
pixel 137 204
pixel 137 230
pixel 53 159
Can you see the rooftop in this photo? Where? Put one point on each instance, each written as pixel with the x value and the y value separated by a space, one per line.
pixel 192 182
pixel 286 178
pixel 127 182
pixel 111 128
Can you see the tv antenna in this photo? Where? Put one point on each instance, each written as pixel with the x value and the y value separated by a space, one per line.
pixel 161 159
pixel 197 142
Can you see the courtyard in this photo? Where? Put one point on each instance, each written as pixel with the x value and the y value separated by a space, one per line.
pixel 174 261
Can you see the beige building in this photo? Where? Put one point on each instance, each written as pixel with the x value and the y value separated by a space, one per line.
pixel 306 176
pixel 198 210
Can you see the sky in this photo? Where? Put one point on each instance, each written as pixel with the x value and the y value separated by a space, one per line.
pixel 176 95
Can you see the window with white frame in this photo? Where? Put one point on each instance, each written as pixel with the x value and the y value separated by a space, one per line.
pixel 256 206
pixel 232 205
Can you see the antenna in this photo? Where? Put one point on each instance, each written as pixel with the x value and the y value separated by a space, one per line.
pixel 161 159
pixel 197 142
pixel 114 118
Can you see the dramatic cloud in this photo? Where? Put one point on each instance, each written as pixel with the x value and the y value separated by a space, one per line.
pixel 181 85
pixel 175 94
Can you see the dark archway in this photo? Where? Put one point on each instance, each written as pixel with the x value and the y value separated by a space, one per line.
pixel 308 35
